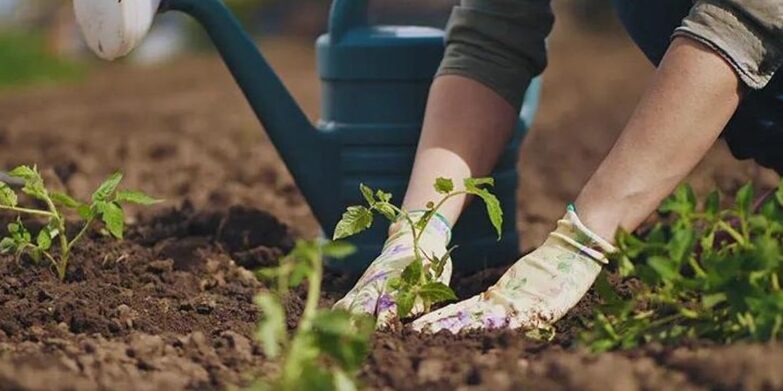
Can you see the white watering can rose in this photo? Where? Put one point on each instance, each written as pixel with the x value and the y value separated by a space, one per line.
pixel 113 28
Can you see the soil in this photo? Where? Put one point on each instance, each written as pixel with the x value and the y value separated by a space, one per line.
pixel 171 306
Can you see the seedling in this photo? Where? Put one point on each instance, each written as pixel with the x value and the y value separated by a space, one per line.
pixel 105 205
pixel 328 347
pixel 708 273
pixel 419 280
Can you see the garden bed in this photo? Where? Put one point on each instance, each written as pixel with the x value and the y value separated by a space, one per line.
pixel 171 308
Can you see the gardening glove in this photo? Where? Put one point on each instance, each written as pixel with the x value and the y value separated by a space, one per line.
pixel 371 294
pixel 536 291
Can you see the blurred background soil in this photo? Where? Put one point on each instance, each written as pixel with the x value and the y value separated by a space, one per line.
pixel 181 129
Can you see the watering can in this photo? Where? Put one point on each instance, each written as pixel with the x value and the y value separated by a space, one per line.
pixel 375 81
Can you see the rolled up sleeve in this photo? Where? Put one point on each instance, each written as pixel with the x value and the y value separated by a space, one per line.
pixel 499 43
pixel 747 33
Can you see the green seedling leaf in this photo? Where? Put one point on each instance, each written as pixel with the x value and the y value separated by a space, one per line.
pixel 7 195
pixel 113 216
pixel 271 331
pixel 383 196
pixel 44 239
pixel 744 199
pixel 405 301
pixel 338 250
pixel 681 244
pixel 682 202
pixel 135 197
pixel 367 194
pixel 493 206
pixel 779 193
pixel 665 268
pixel 33 183
pixel 386 209
pixel 107 188
pixel 412 273
pixel 356 219
pixel 64 200
pixel 86 212
pixel 436 292
pixel 343 337
pixel 7 245
pixel 444 185
pixel 712 204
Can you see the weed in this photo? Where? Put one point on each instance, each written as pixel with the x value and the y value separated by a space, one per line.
pixel 419 280
pixel 708 273
pixel 328 347
pixel 105 205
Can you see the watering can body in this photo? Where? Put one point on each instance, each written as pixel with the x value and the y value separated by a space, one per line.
pixel 375 82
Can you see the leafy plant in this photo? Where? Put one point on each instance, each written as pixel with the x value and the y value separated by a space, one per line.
pixel 706 273
pixel 419 280
pixel 105 205
pixel 328 346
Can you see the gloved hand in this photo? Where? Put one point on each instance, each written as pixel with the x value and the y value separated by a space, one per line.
pixel 371 294
pixel 536 291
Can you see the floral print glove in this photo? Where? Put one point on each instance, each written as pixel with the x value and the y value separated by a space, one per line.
pixel 536 291
pixel 370 295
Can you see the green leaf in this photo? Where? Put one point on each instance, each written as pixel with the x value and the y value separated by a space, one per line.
pixel 343 337
pixel 682 202
pixel 712 204
pixel 367 194
pixel 33 183
pixel 779 193
pixel 135 197
pixel 664 267
pixel 271 330
pixel 405 301
pixel 494 210
pixel 64 200
pixel 383 196
pixel 412 273
pixel 681 244
pixel 744 199
pixel 436 292
pixel 386 209
pixel 7 245
pixel 107 188
pixel 85 211
pixel 356 219
pixel 113 216
pixel 7 195
pixel 444 185
pixel 338 250
pixel 44 239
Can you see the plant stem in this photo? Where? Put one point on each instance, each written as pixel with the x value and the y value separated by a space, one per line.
pixel 28 211
pixel 65 247
pixel 731 231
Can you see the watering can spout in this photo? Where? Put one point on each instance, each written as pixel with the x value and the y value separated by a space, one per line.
pixel 284 121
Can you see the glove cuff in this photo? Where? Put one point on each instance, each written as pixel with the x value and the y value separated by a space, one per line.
pixel 571 230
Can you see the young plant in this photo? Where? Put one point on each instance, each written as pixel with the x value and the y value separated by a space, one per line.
pixel 328 347
pixel 419 281
pixel 708 273
pixel 52 242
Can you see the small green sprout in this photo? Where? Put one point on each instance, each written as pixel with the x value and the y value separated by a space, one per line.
pixel 707 274
pixel 328 347
pixel 105 205
pixel 419 281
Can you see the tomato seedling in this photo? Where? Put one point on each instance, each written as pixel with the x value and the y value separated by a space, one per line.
pixel 707 273
pixel 419 281
pixel 105 205
pixel 328 347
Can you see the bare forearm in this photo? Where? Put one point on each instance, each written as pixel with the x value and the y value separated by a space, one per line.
pixel 466 127
pixel 691 98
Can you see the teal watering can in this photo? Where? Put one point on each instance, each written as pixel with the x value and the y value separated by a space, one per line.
pixel 375 84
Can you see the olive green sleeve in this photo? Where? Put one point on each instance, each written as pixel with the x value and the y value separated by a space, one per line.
pixel 747 33
pixel 499 43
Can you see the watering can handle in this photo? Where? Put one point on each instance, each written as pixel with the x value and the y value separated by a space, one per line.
pixel 347 15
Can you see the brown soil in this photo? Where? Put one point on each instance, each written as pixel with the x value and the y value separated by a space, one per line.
pixel 171 307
